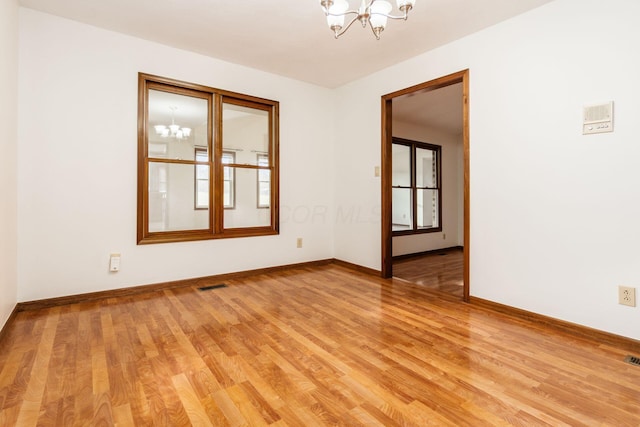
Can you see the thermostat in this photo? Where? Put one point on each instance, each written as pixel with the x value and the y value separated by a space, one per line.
pixel 598 118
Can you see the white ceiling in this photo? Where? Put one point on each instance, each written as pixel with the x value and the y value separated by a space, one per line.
pixel 440 109
pixel 288 37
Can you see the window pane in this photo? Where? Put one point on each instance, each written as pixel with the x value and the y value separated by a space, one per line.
pixel 177 124
pixel 202 172
pixel 401 215
pixel 263 175
pixel 171 198
pixel 246 214
pixel 228 186
pixel 264 188
pixel 228 158
pixel 426 168
pixel 264 182
pixel 227 197
pixel 245 131
pixel 201 154
pixel 202 179
pixel 202 194
pixel 428 209
pixel 401 165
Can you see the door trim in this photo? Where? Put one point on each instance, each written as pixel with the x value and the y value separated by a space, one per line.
pixel 387 137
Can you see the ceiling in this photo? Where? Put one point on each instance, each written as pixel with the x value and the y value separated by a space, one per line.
pixel 288 37
pixel 439 109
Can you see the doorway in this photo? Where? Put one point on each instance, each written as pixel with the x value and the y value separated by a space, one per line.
pixel 461 79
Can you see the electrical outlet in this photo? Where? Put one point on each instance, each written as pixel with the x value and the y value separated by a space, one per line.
pixel 627 296
pixel 299 242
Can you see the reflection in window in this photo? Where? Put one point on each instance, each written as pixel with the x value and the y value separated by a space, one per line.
pixel 202 179
pixel 264 181
pixel 228 185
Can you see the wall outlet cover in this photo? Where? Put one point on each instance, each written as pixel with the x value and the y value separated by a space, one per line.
pixel 627 296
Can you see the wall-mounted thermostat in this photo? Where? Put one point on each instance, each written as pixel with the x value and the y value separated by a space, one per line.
pixel 598 118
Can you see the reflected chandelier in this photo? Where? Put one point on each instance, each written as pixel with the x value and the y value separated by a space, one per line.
pixel 375 12
pixel 173 130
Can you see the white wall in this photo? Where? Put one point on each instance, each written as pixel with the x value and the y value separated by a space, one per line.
pixel 452 181
pixel 8 156
pixel 77 163
pixel 554 214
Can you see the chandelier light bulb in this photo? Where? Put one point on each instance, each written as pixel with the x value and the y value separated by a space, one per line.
pixel 405 5
pixel 336 14
pixel 378 19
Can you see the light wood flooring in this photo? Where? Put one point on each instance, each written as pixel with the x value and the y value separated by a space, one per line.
pixel 439 270
pixel 310 346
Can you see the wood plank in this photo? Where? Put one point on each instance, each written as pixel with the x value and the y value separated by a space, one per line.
pixel 315 345
pixel 30 408
pixel 194 409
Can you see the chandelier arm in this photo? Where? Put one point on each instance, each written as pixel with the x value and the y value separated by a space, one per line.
pixel 348 12
pixel 343 30
pixel 403 17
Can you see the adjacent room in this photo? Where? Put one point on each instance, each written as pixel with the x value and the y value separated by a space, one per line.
pixel 319 212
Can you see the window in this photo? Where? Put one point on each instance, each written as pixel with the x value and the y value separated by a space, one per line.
pixel 416 189
pixel 264 181
pixel 197 162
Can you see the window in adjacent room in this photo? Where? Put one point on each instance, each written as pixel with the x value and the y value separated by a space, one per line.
pixel 197 163
pixel 416 188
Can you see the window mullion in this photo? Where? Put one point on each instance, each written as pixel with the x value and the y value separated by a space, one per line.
pixel 217 172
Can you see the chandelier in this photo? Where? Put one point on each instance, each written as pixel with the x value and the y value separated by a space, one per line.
pixel 173 130
pixel 375 12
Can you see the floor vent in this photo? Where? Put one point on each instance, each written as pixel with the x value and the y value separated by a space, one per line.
pixel 632 360
pixel 208 288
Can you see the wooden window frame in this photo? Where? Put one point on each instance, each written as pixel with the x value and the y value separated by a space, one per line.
pixel 215 98
pixel 437 149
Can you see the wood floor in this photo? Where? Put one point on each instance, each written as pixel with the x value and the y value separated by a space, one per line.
pixel 441 271
pixel 310 346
